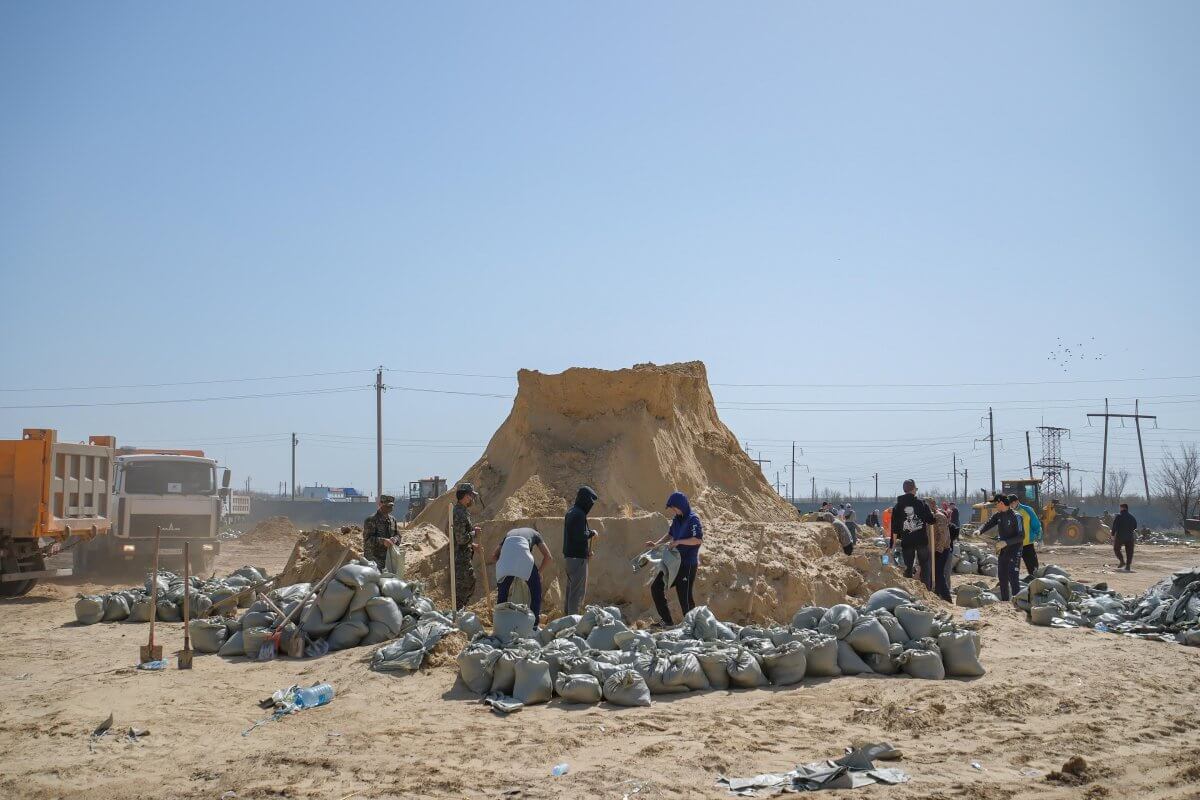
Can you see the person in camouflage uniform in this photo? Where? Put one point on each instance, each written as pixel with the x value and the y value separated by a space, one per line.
pixel 379 531
pixel 465 534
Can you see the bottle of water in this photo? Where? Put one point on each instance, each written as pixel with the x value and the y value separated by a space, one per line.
pixel 313 696
pixel 560 770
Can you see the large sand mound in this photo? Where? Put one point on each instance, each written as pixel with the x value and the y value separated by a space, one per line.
pixel 635 435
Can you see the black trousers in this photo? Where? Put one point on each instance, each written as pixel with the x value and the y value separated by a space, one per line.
pixel 941 573
pixel 535 593
pixel 1029 556
pixel 683 589
pixel 848 549
pixel 1009 571
pixel 1127 544
pixel 918 555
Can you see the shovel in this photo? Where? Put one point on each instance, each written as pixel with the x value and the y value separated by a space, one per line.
pixel 185 655
pixel 151 651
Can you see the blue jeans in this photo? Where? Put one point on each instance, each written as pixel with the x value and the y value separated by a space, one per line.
pixel 535 592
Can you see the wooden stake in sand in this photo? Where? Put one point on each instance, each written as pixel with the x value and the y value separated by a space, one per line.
pixel 185 655
pixel 762 540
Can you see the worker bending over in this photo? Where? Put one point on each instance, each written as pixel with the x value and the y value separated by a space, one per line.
pixel 514 559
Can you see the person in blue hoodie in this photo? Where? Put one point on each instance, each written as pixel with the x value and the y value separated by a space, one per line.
pixel 686 534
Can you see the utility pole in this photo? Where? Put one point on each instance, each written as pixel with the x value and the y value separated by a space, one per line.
pixel 814 484
pixel 1029 455
pixel 1137 418
pixel 850 488
pixel 295 442
pixel 379 433
pixel 876 476
pixel 992 445
pixel 760 460
pixel 1068 468
pixel 954 474
pixel 793 489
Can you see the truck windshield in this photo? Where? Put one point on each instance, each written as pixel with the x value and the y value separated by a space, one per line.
pixel 168 477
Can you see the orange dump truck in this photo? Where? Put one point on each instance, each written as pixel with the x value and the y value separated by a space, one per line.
pixel 50 492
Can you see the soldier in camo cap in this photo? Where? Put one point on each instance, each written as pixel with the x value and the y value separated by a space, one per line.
pixel 465 544
pixel 380 531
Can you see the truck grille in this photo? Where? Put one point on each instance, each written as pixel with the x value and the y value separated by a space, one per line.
pixel 176 526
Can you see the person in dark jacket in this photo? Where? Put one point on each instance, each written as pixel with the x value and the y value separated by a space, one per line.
pixel 685 535
pixel 910 516
pixel 1124 532
pixel 1012 534
pixel 577 547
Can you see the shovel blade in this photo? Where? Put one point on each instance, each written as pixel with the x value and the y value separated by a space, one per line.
pixel 185 659
pixel 150 652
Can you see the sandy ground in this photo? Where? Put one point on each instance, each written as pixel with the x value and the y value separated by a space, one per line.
pixel 1128 707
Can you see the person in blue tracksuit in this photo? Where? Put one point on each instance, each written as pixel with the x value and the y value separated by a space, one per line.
pixel 686 534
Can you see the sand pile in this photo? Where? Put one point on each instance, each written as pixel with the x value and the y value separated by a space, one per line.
pixel 272 531
pixel 318 551
pixel 635 434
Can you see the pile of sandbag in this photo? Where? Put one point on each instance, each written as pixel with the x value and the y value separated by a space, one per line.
pixel 975 594
pixel 971 559
pixel 133 604
pixel 1169 611
pixel 588 657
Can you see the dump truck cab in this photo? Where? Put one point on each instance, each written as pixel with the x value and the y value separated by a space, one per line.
pixel 175 492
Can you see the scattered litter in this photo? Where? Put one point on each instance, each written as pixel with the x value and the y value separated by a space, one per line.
pixel 560 769
pixel 972 615
pixel 293 700
pixel 852 771
pixel 103 727
pixel 229 795
pixel 977 765
pixel 24 676
pixel 502 703
pixel 153 666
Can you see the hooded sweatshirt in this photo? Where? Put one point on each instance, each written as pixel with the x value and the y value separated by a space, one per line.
pixel 909 518
pixel 685 526
pixel 576 533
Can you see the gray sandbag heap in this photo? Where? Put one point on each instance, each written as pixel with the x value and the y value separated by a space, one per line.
pixel 133 604
pixel 587 657
pixel 971 559
pixel 1169 611
pixel 975 594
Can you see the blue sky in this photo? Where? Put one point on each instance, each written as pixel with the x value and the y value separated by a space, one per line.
pixel 794 193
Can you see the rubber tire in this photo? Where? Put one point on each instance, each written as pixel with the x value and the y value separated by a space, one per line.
pixel 1102 534
pixel 16 588
pixel 1071 532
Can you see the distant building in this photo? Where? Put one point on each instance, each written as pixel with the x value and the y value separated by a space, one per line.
pixel 333 494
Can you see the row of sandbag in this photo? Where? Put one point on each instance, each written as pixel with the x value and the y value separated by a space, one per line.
pixel 579 656
pixel 133 604
pixel 968 558
pixel 1168 611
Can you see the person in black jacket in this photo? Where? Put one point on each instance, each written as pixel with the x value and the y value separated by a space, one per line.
pixel 1008 526
pixel 1124 532
pixel 577 547
pixel 910 517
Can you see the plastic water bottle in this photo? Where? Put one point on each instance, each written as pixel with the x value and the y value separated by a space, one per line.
pixel 313 696
pixel 560 769
pixel 886 559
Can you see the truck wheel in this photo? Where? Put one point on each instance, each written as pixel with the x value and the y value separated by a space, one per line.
pixel 16 588
pixel 1071 532
pixel 1102 534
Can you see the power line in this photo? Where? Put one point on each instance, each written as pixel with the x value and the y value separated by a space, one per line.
pixel 947 385
pixel 183 383
pixel 335 390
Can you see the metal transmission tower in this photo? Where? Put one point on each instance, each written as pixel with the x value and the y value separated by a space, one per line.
pixel 1052 464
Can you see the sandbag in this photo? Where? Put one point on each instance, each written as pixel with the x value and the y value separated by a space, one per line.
pixel 251 574
pixel 627 688
pixel 960 654
pixel 385 611
pixel 887 599
pixel 477 665
pixel 578 688
pixel 923 664
pixel 377 633
pixel 652 669
pixel 233 647
pixel 850 662
pixel 512 621
pixel 393 563
pixel 989 570
pixel 684 670
pixel 1044 615
pixel 715 663
pixel 808 617
pixel 348 633
pixel 466 621
pixel 917 621
pixel 252 640
pixel 357 575
pixel 1189 638
pixel 398 590
pixel 702 624
pixel 363 595
pixel 787 664
pixel 503 674
pixel 207 635
pixel 868 636
pixel 89 609
pixel 334 600
pixel 591 617
pixel 884 664
pixel 116 607
pixel 532 682
pixel 821 654
pixel 259 619
pixel 408 653
pixel 895 631
pixel 312 621
pixel 838 621
pixel 168 611
pixel 745 671
pixel 601 636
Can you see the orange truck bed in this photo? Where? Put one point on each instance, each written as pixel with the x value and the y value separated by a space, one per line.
pixel 55 489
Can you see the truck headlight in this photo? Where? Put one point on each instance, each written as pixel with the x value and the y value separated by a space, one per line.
pixel 206 548
pixel 128 548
